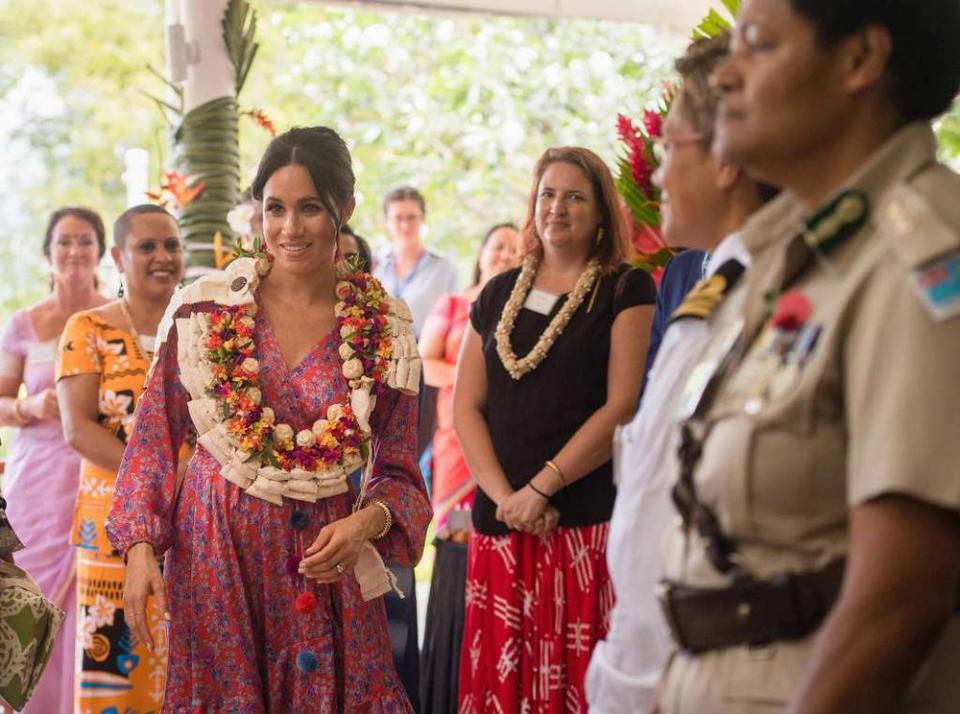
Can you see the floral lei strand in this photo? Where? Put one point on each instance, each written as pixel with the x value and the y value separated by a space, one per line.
pixel 340 439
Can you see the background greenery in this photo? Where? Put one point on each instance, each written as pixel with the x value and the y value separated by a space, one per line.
pixel 460 107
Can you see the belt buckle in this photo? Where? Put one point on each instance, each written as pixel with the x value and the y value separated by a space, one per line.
pixel 665 598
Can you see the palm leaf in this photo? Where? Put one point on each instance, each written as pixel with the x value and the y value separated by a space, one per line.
pixel 239 29
pixel 715 23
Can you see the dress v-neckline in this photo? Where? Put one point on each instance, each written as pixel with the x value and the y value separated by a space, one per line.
pixel 306 360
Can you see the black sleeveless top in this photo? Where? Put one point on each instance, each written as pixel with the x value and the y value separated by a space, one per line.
pixel 531 419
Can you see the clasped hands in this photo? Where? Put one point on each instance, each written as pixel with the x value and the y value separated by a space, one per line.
pixel 529 511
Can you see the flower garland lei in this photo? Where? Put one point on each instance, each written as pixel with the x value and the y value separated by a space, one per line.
pixel 339 440
pixel 518 367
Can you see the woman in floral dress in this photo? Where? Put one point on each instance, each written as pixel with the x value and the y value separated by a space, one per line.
pixel 101 369
pixel 295 370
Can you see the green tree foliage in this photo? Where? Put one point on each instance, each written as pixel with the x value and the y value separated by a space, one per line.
pixel 460 107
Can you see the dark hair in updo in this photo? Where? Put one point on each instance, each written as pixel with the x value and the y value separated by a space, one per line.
pixel 84 214
pixel 323 154
pixel 924 68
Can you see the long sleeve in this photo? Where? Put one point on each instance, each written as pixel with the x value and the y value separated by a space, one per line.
pixel 146 489
pixel 396 478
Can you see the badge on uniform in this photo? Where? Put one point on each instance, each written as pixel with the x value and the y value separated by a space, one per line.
pixel 776 361
pixel 938 285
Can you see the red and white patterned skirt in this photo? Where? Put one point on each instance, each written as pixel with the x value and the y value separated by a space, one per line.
pixel 535 608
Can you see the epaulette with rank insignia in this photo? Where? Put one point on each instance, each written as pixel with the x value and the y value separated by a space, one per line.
pixel 707 295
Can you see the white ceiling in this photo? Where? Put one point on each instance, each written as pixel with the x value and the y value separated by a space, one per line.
pixel 680 15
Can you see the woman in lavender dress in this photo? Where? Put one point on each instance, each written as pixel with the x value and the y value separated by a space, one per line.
pixel 42 472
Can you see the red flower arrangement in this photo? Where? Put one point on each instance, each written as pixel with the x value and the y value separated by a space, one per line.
pixel 641 198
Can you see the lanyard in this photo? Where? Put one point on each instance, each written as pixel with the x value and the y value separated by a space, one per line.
pixel 400 286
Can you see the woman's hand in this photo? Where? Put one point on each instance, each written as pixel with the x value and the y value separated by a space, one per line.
pixel 42 405
pixel 143 579
pixel 339 543
pixel 522 510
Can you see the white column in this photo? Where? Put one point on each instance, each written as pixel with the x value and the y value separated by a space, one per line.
pixel 210 74
pixel 136 175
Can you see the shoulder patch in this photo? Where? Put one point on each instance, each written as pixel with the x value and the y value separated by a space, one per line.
pixel 938 285
pixel 707 294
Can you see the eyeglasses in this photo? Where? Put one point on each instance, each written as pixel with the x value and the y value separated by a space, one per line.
pixel 662 146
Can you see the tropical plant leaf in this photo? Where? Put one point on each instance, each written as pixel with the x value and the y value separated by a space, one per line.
pixel 239 25
pixel 714 23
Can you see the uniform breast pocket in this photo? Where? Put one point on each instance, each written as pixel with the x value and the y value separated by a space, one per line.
pixel 779 481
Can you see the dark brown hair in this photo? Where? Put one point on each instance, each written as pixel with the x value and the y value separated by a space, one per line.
pixel 84 214
pixel 615 246
pixel 924 65
pixel 404 193
pixel 323 154
pixel 698 100
pixel 483 244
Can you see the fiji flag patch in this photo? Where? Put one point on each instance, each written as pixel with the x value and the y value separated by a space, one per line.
pixel 938 285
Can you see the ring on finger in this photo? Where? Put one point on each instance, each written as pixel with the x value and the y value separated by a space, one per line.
pixel 339 568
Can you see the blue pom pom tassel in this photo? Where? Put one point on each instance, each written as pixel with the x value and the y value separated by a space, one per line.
pixel 299 520
pixel 307 661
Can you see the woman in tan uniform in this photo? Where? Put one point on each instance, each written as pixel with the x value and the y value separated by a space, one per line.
pixel 815 564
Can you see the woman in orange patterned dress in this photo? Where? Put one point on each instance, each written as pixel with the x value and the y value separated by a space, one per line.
pixel 101 370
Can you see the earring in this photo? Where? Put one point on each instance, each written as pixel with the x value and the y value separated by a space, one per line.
pixel 599 238
pixel 120 289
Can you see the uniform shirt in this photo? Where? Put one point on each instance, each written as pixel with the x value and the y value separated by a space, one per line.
pixel 867 408
pixel 625 668
pixel 679 276
pixel 431 277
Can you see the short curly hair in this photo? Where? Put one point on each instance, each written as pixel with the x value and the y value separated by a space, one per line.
pixel 924 66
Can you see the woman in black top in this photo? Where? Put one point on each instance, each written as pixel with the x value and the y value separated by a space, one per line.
pixel 550 365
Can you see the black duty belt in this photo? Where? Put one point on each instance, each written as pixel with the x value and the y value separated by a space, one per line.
pixel 750 612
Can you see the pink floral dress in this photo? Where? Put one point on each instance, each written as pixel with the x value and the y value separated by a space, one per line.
pixel 235 642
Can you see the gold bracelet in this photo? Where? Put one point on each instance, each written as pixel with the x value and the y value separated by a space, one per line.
pixel 18 412
pixel 388 518
pixel 556 469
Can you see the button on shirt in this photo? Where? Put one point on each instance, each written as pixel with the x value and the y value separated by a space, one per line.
pixel 430 278
pixel 801 432
pixel 626 667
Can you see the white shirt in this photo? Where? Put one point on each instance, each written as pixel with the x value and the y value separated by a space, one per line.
pixel 625 668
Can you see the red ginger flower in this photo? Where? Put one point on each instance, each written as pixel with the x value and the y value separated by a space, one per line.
pixel 653 121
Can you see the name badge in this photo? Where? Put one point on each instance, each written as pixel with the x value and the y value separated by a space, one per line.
pixel 540 301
